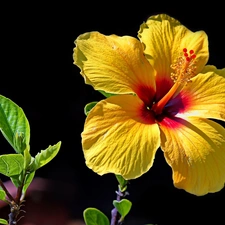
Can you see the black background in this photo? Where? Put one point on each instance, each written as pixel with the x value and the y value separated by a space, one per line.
pixel 37 73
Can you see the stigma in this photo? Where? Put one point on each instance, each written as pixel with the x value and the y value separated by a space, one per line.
pixel 184 67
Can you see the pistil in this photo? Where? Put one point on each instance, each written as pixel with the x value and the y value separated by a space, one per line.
pixel 184 70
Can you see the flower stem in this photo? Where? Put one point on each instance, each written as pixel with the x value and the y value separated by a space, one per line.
pixel 114 212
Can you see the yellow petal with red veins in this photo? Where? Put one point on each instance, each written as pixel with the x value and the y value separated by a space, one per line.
pixel 118 139
pixel 165 38
pixel 195 149
pixel 113 64
pixel 206 94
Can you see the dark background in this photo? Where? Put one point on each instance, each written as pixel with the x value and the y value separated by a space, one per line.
pixel 37 73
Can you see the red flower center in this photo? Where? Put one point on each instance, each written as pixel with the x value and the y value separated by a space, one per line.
pixel 173 101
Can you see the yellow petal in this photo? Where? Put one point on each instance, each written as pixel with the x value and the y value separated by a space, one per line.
pixel 111 63
pixel 206 94
pixel 117 140
pixel 165 38
pixel 195 149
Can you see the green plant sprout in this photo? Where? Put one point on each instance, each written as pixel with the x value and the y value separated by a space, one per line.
pixel 19 167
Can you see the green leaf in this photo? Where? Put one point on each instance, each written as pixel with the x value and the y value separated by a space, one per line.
pixel 106 94
pixel 14 124
pixel 11 164
pixel 94 216
pixel 2 221
pixel 2 195
pixel 45 156
pixel 88 107
pixel 122 183
pixel 123 207
pixel 17 180
pixel 28 181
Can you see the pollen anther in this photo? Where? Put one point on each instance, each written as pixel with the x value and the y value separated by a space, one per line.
pixel 184 67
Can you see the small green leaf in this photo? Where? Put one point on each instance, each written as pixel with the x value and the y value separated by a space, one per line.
pixel 94 216
pixel 122 183
pixel 2 221
pixel 123 207
pixel 27 158
pixel 106 94
pixel 88 107
pixel 28 181
pixel 11 164
pixel 45 156
pixel 2 195
pixel 14 124
pixel 19 142
pixel 17 180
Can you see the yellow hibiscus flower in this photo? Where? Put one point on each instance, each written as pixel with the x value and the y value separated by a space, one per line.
pixel 165 96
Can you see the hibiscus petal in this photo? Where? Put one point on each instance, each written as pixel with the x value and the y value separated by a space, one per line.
pixel 113 64
pixel 195 149
pixel 205 94
pixel 116 139
pixel 165 38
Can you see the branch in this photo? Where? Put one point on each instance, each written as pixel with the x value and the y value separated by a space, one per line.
pixel 6 191
pixel 114 213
